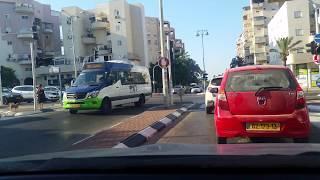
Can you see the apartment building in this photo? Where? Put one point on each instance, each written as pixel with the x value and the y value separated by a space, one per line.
pixel 16 20
pixel 153 39
pixel 115 29
pixel 246 47
pixel 240 50
pixel 295 19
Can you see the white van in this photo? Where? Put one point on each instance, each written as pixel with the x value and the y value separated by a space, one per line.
pixel 103 85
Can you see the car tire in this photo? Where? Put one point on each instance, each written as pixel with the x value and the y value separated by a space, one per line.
pixel 209 110
pixel 141 102
pixel 222 140
pixel 106 107
pixel 73 111
pixel 301 140
pixel 5 101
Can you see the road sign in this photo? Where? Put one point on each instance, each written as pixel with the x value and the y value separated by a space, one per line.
pixel 316 59
pixel 163 62
pixel 317 38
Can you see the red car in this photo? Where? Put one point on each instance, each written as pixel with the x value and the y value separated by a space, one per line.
pixel 261 101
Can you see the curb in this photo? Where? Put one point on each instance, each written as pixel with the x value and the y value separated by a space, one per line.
pixel 29 113
pixel 141 137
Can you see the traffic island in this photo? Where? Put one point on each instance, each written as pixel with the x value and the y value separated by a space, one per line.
pixel 133 131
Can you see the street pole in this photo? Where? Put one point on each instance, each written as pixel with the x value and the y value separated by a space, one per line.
pixel 60 84
pixel 73 49
pixel 316 14
pixel 169 69
pixel 202 33
pixel 164 70
pixel 1 99
pixel 33 77
pixel 153 81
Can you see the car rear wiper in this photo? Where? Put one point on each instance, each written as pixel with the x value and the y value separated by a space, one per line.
pixel 270 88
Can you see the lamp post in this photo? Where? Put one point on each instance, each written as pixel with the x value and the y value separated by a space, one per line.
pixel 202 33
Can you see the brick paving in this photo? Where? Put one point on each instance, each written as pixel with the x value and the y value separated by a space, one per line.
pixel 111 137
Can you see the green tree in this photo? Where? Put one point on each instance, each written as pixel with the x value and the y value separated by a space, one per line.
pixel 286 45
pixel 8 77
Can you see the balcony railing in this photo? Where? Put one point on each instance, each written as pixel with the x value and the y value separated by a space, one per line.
pixel 100 25
pixel 25 34
pixel 260 40
pixel 89 39
pixel 24 8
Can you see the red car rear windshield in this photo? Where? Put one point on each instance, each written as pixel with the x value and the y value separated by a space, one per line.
pixel 243 81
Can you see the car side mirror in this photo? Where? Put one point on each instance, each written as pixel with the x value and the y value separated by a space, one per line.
pixel 214 90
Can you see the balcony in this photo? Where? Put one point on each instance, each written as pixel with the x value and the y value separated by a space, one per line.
pixel 100 25
pixel 25 34
pixel 89 39
pixel 24 8
pixel 259 22
pixel 260 40
pixel 260 50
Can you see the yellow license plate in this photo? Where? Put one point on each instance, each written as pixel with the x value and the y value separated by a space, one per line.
pixel 75 105
pixel 263 126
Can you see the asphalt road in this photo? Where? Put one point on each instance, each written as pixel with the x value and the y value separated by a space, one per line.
pixel 58 131
pixel 197 127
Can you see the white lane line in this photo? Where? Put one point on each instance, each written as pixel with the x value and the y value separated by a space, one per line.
pixel 84 139
pixel 115 125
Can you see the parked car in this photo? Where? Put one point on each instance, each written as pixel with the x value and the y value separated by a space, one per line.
pixel 196 89
pixel 177 88
pixel 26 91
pixel 210 97
pixel 52 93
pixel 261 101
pixel 10 97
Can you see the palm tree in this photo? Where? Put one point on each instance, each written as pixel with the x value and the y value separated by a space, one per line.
pixel 286 45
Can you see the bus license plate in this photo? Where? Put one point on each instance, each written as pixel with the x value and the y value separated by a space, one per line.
pixel 75 105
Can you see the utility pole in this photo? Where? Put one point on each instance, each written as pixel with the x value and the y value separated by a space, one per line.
pixel 1 100
pixel 169 69
pixel 73 49
pixel 164 70
pixel 202 33
pixel 33 77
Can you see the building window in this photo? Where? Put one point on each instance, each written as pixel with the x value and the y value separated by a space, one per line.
pixel 149 41
pixel 154 35
pixel 28 69
pixel 24 17
pixel 8 30
pixel 298 14
pixel 148 35
pixel 155 42
pixel 119 43
pixel 9 43
pixel 117 27
pixel 45 78
pixel 299 32
pixel 6 16
pixel 300 50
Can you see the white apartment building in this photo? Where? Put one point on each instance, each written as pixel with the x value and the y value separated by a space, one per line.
pixel 153 38
pixel 262 11
pixel 240 46
pixel 16 20
pixel 295 19
pixel 115 29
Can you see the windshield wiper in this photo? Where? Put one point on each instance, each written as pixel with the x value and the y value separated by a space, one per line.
pixel 270 88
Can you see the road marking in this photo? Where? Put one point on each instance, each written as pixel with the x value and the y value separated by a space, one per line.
pixel 176 114
pixel 115 125
pixel 148 132
pixel 166 121
pixel 83 140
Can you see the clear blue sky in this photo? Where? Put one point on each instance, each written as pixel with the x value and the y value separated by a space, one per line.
pixel 223 20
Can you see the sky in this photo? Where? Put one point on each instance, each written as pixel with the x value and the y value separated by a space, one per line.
pixel 223 20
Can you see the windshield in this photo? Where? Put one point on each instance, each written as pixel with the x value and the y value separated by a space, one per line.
pixel 90 78
pixel 107 74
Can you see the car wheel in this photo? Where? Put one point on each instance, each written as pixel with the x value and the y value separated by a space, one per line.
pixel 5 101
pixel 209 110
pixel 106 107
pixel 73 111
pixel 141 101
pixel 301 140
pixel 222 140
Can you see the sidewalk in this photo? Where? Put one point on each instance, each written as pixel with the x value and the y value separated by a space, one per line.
pixel 27 109
pixel 108 138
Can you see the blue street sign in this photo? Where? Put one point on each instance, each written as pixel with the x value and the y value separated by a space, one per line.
pixel 317 38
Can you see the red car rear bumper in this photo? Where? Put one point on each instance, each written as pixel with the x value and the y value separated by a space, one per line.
pixel 295 125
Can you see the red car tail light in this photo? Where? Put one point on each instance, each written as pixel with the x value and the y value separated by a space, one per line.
pixel 301 101
pixel 222 100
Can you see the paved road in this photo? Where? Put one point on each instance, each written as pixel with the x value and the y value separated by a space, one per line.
pixel 197 127
pixel 58 131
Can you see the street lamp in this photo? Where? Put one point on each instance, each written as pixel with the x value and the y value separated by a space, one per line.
pixel 202 33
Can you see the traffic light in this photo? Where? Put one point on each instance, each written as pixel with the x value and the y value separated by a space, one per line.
pixel 312 48
pixel 205 76
pixel 35 33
